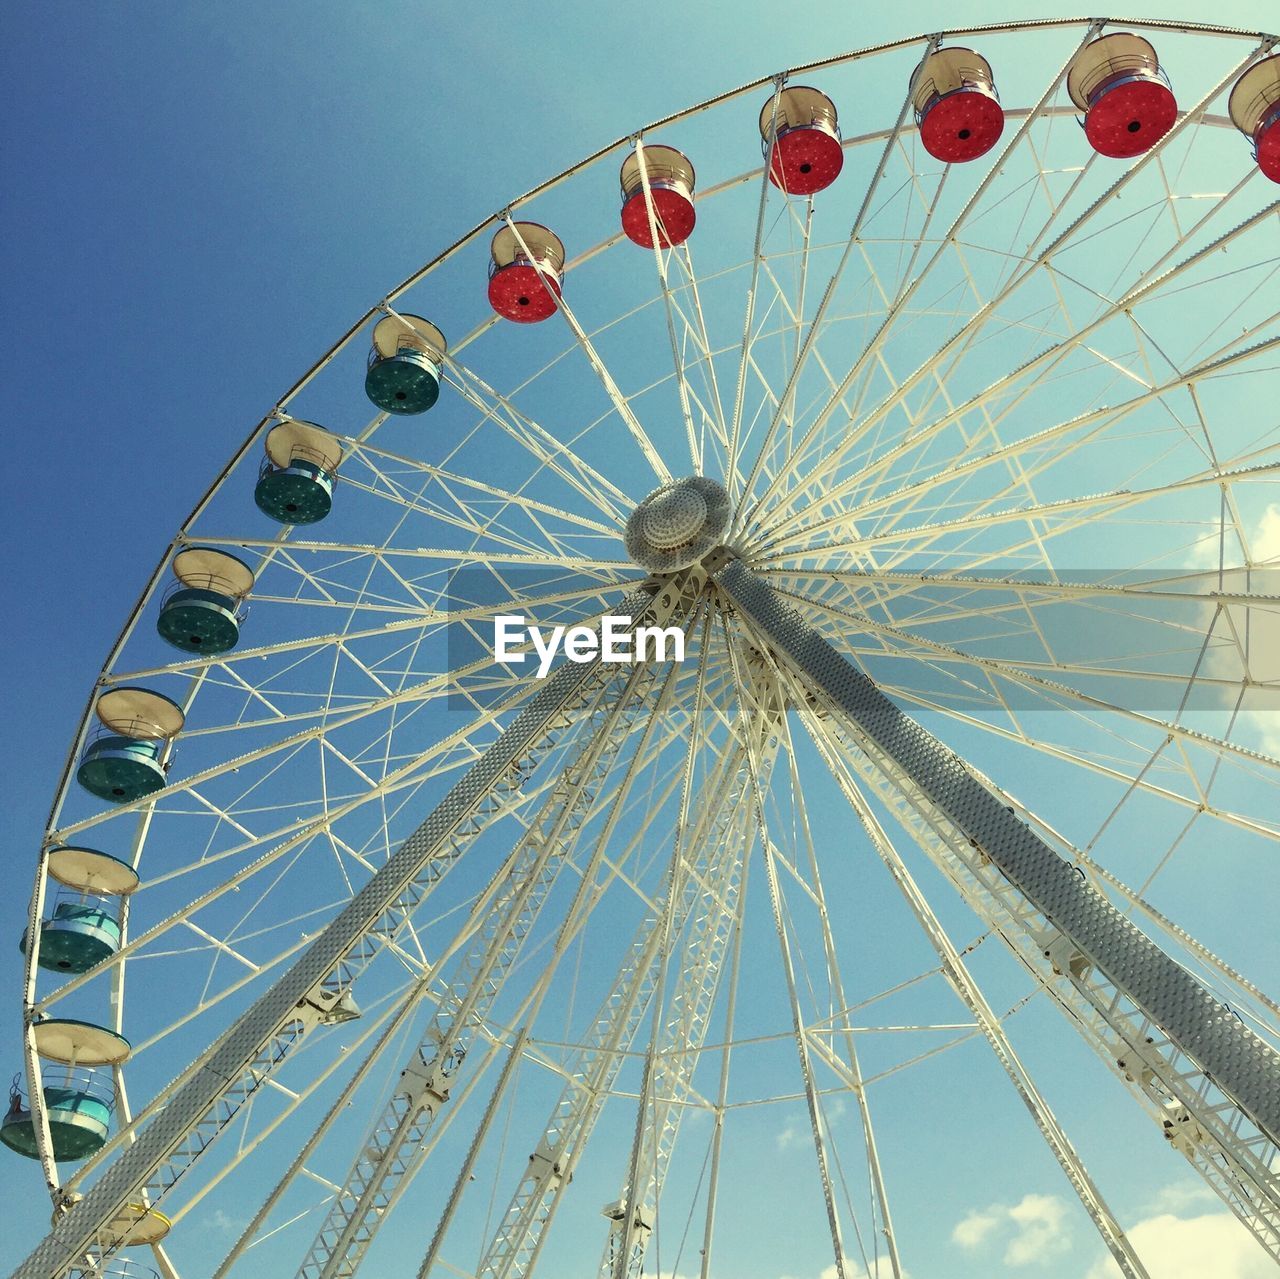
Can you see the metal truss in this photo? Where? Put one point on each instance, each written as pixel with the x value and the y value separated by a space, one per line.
pixel 395 1146
pixel 316 987
pixel 1196 1068
pixel 674 1053
pixel 894 444
pixel 715 851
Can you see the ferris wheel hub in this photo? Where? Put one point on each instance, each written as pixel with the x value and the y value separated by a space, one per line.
pixel 678 524
pixel 675 518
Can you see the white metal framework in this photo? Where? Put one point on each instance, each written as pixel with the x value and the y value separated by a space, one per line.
pixel 435 964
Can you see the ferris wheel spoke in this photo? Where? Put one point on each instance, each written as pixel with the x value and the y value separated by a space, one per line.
pixel 660 259
pixel 923 792
pixel 542 445
pixel 956 344
pixel 732 459
pixel 620 402
pixel 1129 776
pixel 1090 427
pixel 900 644
pixel 904 296
pixel 391 1151
pixel 840 1024
pixel 625 1244
pixel 513 1248
pixel 514 525
pixel 1114 674
pixel 962 982
pixel 1111 502
pixel 1148 287
pixel 786 398
pixel 480 525
pixel 1054 691
pixel 817 1122
pixel 680 1024
pixel 1221 362
pixel 717 418
pixel 783 402
pixel 806 1038
pixel 381 461
pixel 1024 592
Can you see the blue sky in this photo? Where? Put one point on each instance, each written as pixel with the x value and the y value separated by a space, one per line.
pixel 197 200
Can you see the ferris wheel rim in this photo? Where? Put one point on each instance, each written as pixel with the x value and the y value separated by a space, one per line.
pixel 277 412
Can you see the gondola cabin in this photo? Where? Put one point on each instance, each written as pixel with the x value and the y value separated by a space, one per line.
pixel 1254 107
pixel 202 611
pixel 83 928
pixel 669 207
pixel 404 364
pixel 1128 105
pixel 78 1099
pixel 801 126
pixel 295 481
pixel 526 272
pixel 123 761
pixel 957 111
pixel 135 1226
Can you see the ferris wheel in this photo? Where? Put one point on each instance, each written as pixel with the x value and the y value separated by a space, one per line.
pixel 930 426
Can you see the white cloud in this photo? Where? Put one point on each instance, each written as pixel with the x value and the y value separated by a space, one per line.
pixel 880 1269
pixel 1266 538
pixel 854 1270
pixel 1265 626
pixel 797 1131
pixel 1033 1230
pixel 1257 724
pixel 1180 1196
pixel 1039 1220
pixel 1171 1247
pixel 970 1232
pixel 791 1135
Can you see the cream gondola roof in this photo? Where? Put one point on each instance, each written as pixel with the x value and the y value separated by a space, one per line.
pixel 542 243
pixel 293 439
pixel 797 106
pixel 393 333
pixel 206 568
pixel 91 871
pixel 1104 57
pixel 140 713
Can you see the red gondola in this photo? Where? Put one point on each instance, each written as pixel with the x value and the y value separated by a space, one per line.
pixel 670 181
pixel 957 110
pixel 807 155
pixel 527 271
pixel 1117 82
pixel 1255 110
